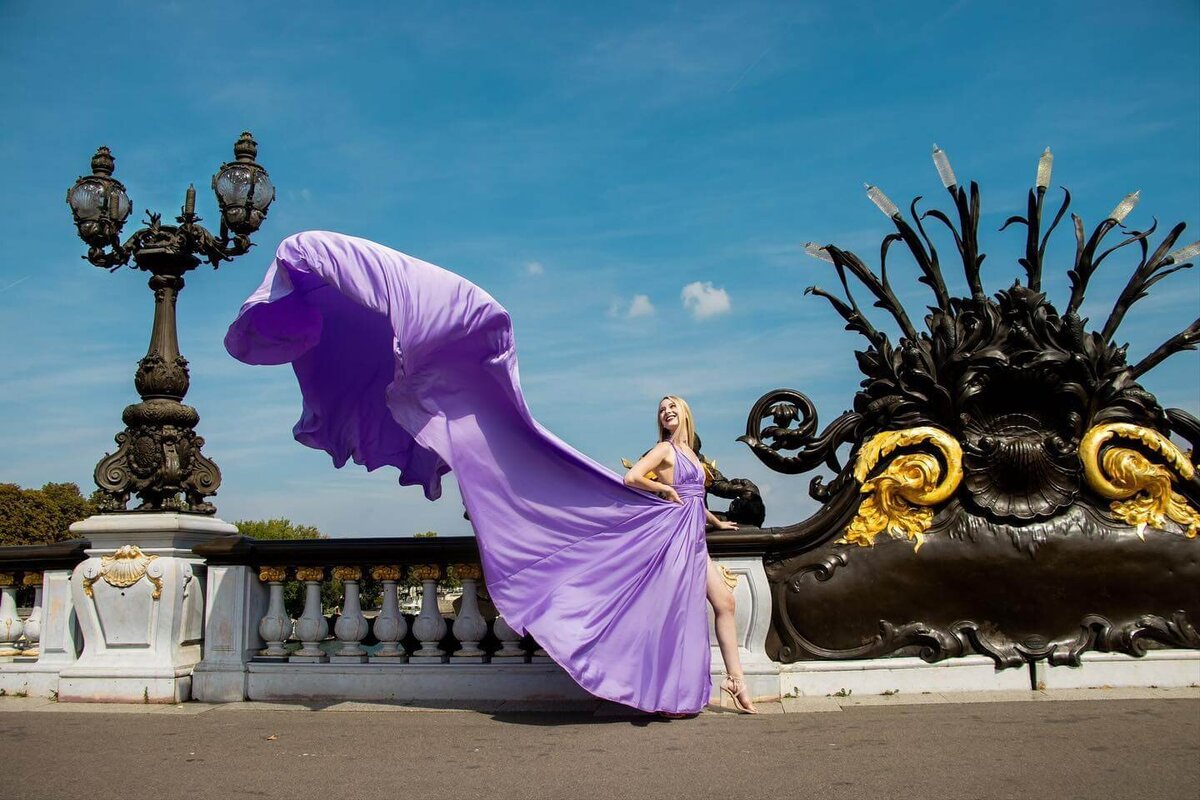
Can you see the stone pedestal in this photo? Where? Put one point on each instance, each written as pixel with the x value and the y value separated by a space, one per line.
pixel 139 598
pixel 237 602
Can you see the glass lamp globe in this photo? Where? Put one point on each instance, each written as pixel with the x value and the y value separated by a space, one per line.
pixel 244 190
pixel 98 202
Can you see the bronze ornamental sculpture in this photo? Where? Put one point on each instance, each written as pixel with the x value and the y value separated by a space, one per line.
pixel 1011 489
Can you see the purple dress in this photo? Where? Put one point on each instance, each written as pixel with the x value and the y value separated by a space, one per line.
pixel 403 363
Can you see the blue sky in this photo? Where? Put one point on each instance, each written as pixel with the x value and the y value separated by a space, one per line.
pixel 584 166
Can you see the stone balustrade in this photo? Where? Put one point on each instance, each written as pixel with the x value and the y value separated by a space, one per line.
pixel 383 634
pixel 401 619
pixel 35 644
pixel 369 619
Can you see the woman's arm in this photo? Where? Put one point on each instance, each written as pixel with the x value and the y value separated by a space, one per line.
pixel 717 523
pixel 636 477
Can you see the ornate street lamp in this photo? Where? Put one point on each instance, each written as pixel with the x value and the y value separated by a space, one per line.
pixel 158 456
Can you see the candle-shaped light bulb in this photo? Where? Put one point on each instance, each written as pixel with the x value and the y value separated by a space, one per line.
pixel 1045 165
pixel 816 251
pixel 189 202
pixel 943 167
pixel 1185 253
pixel 882 202
pixel 1125 206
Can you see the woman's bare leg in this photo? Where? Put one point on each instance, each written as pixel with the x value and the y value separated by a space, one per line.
pixel 724 616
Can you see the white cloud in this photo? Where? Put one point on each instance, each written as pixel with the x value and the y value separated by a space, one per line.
pixel 704 300
pixel 535 268
pixel 640 307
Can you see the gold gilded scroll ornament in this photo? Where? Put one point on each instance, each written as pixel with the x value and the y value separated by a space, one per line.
pixel 900 500
pixel 1140 490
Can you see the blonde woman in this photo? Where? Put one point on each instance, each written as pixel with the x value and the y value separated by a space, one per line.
pixel 679 478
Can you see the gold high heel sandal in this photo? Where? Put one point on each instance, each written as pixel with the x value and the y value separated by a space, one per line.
pixel 734 685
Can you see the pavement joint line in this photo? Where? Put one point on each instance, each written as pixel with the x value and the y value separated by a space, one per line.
pixel 803 704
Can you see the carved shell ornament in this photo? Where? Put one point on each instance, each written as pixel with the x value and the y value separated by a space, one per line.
pixel 123 569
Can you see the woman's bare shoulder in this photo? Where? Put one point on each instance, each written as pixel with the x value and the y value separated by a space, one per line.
pixel 663 450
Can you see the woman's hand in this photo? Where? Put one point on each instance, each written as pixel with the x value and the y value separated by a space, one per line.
pixel 669 493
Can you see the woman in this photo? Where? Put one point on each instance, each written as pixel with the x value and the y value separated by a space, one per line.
pixel 675 448
pixel 402 363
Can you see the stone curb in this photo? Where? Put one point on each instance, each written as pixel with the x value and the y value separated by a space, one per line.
pixel 786 705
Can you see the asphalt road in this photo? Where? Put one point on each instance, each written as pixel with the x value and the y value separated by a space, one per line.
pixel 1090 749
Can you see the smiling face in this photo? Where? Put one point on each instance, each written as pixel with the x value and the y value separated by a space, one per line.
pixel 668 416
pixel 675 421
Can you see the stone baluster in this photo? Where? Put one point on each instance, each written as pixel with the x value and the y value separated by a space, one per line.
pixel 10 622
pixel 351 626
pixel 469 625
pixel 390 627
pixel 275 628
pixel 510 651
pixel 429 627
pixel 311 627
pixel 33 625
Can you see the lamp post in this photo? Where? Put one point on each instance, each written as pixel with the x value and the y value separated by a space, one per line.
pixel 158 456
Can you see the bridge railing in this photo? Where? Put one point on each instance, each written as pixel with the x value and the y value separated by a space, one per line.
pixel 38 630
pixel 449 644
pixel 395 619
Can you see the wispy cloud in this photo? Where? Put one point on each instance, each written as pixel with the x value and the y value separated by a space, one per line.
pixel 637 308
pixel 705 300
pixel 640 307
pixel 533 268
pixel 684 55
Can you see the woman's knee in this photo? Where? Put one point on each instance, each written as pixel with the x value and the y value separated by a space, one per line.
pixel 723 603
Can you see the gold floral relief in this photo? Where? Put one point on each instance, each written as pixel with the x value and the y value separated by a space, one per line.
pixel 1140 489
pixel 7 578
pixel 32 579
pixel 466 572
pixel 425 572
pixel 347 573
pixel 899 501
pixel 386 572
pixel 123 569
pixel 310 574
pixel 272 574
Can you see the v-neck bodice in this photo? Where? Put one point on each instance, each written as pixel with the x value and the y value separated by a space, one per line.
pixel 691 481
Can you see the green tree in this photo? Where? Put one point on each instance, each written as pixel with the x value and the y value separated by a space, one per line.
pixel 277 529
pixel 41 516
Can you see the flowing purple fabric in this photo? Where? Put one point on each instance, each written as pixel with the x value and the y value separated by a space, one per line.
pixel 403 363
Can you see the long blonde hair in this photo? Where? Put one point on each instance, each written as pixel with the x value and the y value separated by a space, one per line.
pixel 686 421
